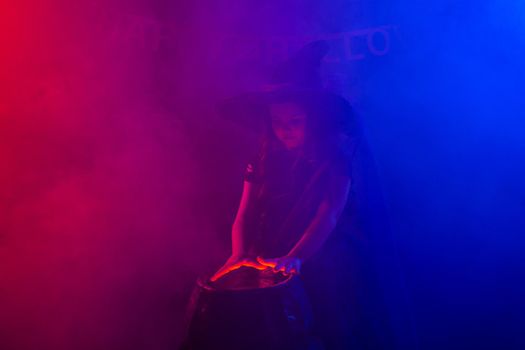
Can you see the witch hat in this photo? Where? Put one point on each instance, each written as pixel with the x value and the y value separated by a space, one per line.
pixel 297 79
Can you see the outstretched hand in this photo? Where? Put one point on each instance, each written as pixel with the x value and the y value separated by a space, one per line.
pixel 286 264
pixel 235 262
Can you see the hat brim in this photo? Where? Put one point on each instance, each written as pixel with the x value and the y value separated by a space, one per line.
pixel 250 110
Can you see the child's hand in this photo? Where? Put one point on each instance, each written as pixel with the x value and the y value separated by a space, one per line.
pixel 235 262
pixel 286 264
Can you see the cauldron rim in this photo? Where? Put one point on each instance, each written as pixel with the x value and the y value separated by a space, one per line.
pixel 205 283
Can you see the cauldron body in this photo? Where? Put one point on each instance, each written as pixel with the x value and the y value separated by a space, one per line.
pixel 249 309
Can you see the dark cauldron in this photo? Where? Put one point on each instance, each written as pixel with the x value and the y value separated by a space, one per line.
pixel 249 309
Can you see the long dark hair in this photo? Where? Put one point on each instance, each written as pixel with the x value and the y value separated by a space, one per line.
pixel 331 128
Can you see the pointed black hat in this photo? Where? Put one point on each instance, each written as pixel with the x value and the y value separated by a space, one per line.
pixel 297 79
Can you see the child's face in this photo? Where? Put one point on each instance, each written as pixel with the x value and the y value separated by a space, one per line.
pixel 288 124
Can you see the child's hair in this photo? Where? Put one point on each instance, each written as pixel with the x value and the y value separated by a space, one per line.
pixel 326 132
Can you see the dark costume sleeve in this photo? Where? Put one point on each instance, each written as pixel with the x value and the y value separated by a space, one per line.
pixel 253 170
pixel 342 164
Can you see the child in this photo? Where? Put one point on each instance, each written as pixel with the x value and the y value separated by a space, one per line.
pixel 298 157
pixel 294 196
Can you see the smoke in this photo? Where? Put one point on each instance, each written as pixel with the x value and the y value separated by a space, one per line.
pixel 101 228
pixel 118 183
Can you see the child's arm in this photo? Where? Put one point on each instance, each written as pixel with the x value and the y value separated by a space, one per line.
pixel 319 229
pixel 239 239
pixel 325 219
pixel 238 257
